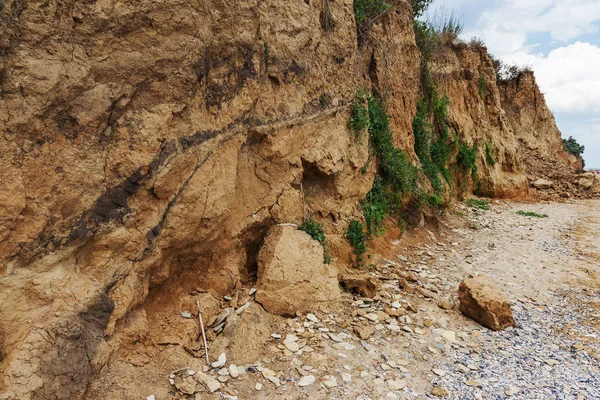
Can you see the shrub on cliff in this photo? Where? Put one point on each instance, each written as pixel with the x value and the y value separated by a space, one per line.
pixel 573 147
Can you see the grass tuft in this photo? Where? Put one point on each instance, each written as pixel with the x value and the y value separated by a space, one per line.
pixel 532 214
pixel 356 237
pixel 479 204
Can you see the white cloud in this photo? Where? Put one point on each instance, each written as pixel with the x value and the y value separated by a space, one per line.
pixel 568 76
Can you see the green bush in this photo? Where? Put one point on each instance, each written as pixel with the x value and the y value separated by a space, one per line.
pixel 367 10
pixel 419 6
pixel 489 154
pixel 478 203
pixel 573 147
pixel 532 214
pixel 482 86
pixel 359 116
pixel 356 237
pixel 467 158
pixel 315 230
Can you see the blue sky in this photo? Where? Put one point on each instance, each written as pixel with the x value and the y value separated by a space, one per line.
pixel 560 40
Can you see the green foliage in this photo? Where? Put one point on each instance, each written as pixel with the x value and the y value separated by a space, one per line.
pixel 359 117
pixel 467 158
pixel 480 204
pixel 482 85
pixel 573 147
pixel 377 206
pixel 532 214
pixel 420 6
pixel 367 10
pixel 315 230
pixel 489 154
pixel 398 175
pixel 435 201
pixel 356 237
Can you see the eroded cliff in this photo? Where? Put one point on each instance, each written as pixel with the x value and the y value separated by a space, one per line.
pixel 148 146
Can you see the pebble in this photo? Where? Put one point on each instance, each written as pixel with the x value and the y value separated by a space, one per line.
pixel 213 385
pixel 312 317
pixel 439 372
pixel 220 361
pixel 330 381
pixel 346 377
pixel 186 314
pixel 151 397
pixel 306 380
pixel 275 335
pixel 398 384
pixel 258 386
pixel 233 371
pixel 449 336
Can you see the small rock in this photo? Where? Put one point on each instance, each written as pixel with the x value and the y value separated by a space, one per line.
pixel 329 381
pixel 511 391
pixel 449 336
pixel 312 318
pixel 439 372
pixel 252 291
pixel 220 362
pixel 258 386
pixel 151 397
pixel 306 380
pixel 186 314
pixel 439 391
pixel 346 377
pixel 213 385
pixel 398 384
pixel 233 371
pixel 275 335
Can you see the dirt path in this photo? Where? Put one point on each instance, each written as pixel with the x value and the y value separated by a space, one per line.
pixel 424 347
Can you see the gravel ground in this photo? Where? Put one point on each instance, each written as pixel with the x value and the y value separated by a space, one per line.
pixel 542 359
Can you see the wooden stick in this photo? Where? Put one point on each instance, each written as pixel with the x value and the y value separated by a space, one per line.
pixel 203 334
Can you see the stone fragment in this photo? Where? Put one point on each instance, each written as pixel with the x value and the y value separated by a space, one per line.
pixel 233 371
pixel 364 284
pixel 439 372
pixel 292 277
pixel 397 384
pixel 346 377
pixel 481 300
pixel 449 336
pixel 306 380
pixel 543 184
pixel 364 332
pixel 330 381
pixel 220 361
pixel 439 391
pixel 258 386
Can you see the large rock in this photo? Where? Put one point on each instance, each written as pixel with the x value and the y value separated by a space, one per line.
pixel 481 300
pixel 543 184
pixel 292 277
pixel 585 183
pixel 364 284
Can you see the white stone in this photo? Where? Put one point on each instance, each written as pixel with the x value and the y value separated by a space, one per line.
pixel 312 317
pixel 275 335
pixel 220 362
pixel 258 386
pixel 186 314
pixel 306 381
pixel 397 384
pixel 151 397
pixel 233 371
pixel 223 372
pixel 329 381
pixel 449 336
pixel 346 377
pixel 213 385
pixel 439 372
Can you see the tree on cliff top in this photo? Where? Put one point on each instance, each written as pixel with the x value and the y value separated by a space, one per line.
pixel 573 147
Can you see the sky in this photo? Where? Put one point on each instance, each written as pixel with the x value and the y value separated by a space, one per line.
pixel 559 40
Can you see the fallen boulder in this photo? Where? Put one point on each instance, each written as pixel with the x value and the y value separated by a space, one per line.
pixel 543 184
pixel 481 300
pixel 292 277
pixel 586 183
pixel 365 285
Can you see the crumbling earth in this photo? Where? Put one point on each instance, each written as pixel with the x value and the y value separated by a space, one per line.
pixel 410 340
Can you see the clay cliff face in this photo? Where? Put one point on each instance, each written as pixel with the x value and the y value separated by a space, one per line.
pixel 156 141
pixel 148 146
pixel 466 74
